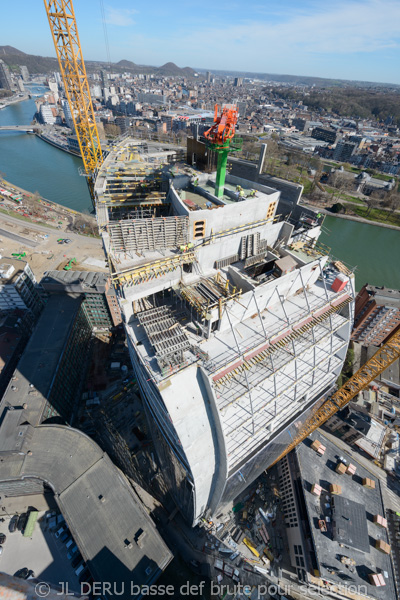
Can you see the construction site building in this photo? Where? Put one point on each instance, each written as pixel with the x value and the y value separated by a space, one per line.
pixel 237 323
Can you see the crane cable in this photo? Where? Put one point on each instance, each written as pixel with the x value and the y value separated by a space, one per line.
pixel 103 17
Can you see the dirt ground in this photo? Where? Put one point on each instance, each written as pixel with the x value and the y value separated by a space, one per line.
pixel 43 252
pixel 33 227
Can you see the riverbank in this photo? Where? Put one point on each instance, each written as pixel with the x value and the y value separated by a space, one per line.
pixel 13 187
pixel 349 217
pixel 35 209
pixel 13 100
pixel 58 145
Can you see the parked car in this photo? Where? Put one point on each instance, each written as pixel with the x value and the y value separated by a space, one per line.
pixel 12 526
pixel 65 536
pixel 3 538
pixel 69 543
pixel 67 241
pixel 1 549
pixel 22 519
pixel 60 531
pixel 22 573
pixel 75 561
pixel 80 568
pixel 72 552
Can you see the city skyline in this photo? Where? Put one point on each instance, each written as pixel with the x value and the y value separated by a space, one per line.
pixel 359 41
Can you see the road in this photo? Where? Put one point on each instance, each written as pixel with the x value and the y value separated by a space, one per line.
pixel 390 495
pixel 51 231
pixel 19 238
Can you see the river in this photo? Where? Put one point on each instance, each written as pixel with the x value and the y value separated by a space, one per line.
pixel 35 165
pixel 373 250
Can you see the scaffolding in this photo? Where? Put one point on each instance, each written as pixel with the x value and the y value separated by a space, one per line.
pixel 152 270
pixel 310 246
pixel 137 235
pixel 252 358
pixel 154 198
pixel 166 336
pixel 209 293
pixel 381 360
pixel 252 225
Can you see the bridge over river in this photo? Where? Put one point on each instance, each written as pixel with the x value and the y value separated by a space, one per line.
pixel 22 128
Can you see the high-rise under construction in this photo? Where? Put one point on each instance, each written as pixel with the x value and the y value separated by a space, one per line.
pixel 238 323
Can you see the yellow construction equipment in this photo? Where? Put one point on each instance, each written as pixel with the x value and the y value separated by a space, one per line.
pixel 381 360
pixel 69 53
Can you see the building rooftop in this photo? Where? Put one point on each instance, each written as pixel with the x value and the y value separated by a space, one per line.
pixel 353 513
pixel 349 523
pixel 114 533
pixel 78 282
pixel 34 375
pixel 384 296
pixel 10 268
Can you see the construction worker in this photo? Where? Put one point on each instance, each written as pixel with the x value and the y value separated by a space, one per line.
pixel 252 194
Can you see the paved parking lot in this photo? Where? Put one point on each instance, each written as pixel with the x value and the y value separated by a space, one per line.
pixel 45 555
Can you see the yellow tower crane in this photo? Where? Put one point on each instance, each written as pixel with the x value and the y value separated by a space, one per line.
pixel 69 53
pixel 381 360
pixel 66 41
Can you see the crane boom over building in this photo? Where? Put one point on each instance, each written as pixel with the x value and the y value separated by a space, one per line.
pixel 381 360
pixel 64 30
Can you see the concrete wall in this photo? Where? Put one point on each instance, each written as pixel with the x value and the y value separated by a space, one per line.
pixel 234 180
pixel 240 279
pixel 232 215
pixel 290 192
pixel 230 244
pixel 221 471
pixel 187 401
pixel 179 208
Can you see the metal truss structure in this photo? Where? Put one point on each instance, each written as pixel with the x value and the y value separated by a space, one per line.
pixel 381 360
pixel 64 30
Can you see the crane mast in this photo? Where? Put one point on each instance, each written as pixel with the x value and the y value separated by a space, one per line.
pixel 221 139
pixel 61 16
pixel 381 360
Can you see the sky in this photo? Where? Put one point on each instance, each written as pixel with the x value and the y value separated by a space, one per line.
pixel 351 39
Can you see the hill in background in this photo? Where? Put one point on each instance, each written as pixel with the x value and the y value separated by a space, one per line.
pixel 14 58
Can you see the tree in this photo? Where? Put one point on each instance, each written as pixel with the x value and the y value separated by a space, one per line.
pixel 372 202
pixel 112 130
pixel 338 208
pixel 393 202
pixel 315 163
